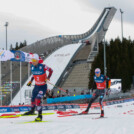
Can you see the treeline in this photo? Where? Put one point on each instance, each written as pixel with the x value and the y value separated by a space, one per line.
pixel 18 45
pixel 119 61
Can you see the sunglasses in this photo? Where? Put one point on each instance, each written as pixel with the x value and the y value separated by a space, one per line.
pixel 97 72
pixel 33 60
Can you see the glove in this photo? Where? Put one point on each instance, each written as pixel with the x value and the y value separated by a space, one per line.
pixel 92 89
pixel 48 79
pixel 29 83
pixel 108 91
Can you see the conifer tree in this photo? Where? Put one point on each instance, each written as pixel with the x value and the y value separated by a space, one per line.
pixel 120 61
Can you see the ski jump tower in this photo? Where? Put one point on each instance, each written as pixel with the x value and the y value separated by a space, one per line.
pixel 95 35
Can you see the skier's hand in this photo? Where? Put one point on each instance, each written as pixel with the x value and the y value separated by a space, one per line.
pixel 92 89
pixel 48 79
pixel 29 83
pixel 108 87
pixel 108 91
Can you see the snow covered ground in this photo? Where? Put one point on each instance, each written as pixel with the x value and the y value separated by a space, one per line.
pixel 120 120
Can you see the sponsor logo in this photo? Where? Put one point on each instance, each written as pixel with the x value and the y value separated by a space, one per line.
pixel 17 55
pixel 61 106
pixel 24 109
pixel 99 81
pixel 3 110
pixel 40 92
pixel 44 108
pixel 69 106
pixel 38 83
pixel 76 106
pixel 15 109
pixel 51 107
pixel 37 72
pixel 40 67
pixel 61 55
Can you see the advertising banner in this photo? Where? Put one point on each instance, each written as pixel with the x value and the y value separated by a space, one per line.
pixel 67 98
pixel 6 55
pixel 116 86
pixel 5 109
pixel 19 56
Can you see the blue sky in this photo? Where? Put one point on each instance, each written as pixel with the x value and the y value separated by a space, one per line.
pixel 33 20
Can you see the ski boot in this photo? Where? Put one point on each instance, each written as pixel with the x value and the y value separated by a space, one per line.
pixel 31 112
pixel 39 118
pixel 84 112
pixel 102 114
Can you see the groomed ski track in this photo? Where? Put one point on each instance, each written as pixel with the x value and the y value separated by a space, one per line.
pixel 120 119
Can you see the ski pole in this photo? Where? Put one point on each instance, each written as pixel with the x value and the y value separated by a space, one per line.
pixel 56 86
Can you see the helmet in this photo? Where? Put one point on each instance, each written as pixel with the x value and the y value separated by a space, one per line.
pixel 97 70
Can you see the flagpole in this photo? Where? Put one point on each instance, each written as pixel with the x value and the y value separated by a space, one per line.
pixel 28 69
pixel 0 83
pixel 20 82
pixel 11 81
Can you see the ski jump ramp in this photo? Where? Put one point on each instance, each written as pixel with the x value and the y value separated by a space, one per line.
pixel 52 43
pixel 68 46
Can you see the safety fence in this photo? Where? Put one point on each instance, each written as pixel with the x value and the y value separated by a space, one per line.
pixel 60 106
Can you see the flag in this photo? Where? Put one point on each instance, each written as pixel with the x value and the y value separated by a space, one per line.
pixel 6 55
pixel 27 57
pixel 18 56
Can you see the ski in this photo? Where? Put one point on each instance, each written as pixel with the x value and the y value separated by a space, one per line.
pixel 19 115
pixel 36 114
pixel 99 118
pixel 76 114
pixel 32 122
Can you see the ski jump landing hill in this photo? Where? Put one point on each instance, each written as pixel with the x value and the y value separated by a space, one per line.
pixel 61 50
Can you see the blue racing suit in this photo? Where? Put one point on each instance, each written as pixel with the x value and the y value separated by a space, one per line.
pixel 100 86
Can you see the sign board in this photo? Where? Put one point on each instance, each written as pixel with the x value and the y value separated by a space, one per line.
pixel 116 86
